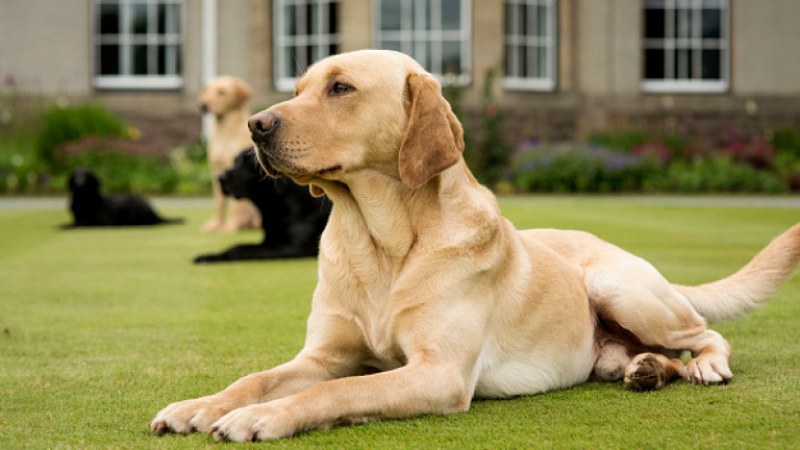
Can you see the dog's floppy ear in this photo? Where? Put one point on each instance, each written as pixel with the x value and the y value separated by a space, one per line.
pixel 242 92
pixel 433 139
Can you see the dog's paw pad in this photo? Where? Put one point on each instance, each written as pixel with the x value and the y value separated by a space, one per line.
pixel 647 374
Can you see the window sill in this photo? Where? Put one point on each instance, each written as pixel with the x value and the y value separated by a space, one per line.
pixel 152 83
pixel 529 84
pixel 684 86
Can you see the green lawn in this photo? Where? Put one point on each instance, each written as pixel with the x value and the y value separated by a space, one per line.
pixel 102 328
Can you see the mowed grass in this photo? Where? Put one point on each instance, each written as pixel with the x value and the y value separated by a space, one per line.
pixel 102 328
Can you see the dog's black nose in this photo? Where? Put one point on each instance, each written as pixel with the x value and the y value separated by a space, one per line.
pixel 263 125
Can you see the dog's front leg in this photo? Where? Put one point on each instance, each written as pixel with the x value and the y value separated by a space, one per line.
pixel 425 386
pixel 199 414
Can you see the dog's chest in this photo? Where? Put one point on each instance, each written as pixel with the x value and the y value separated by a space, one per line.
pixel 376 323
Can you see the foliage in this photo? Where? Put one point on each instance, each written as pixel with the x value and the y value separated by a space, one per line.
pixel 39 155
pixel 71 123
pixel 583 168
pixel 487 150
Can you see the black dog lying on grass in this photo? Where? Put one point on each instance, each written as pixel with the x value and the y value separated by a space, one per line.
pixel 291 218
pixel 91 209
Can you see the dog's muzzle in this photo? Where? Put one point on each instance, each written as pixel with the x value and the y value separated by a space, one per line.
pixel 263 127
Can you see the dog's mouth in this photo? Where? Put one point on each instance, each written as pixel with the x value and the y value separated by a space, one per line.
pixel 274 164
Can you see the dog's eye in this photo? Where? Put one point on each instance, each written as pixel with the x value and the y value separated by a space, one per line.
pixel 338 88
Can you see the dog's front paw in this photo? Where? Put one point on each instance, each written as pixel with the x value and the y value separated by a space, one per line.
pixel 253 423
pixel 709 369
pixel 189 416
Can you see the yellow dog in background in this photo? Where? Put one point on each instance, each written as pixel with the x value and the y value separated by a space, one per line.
pixel 427 297
pixel 226 98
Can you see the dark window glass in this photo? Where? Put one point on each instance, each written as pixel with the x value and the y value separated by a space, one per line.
pixel 139 53
pixel 712 23
pixel 654 63
pixel 139 18
pixel 654 23
pixel 289 20
pixel 161 61
pixel 712 61
pixel 333 17
pixel 109 19
pixel 390 15
pixel 109 60
pixel 451 14
pixel 451 57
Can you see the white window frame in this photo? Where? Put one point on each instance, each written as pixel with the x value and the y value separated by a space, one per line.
pixel 319 38
pixel 528 42
pixel 408 37
pixel 125 39
pixel 671 42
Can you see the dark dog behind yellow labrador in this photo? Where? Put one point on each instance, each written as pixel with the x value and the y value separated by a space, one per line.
pixel 90 208
pixel 292 220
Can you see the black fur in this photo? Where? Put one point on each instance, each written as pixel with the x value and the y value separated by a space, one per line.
pixel 292 219
pixel 91 209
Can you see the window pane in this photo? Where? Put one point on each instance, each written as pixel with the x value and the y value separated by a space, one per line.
pixel 289 20
pixel 654 63
pixel 392 45
pixel 451 58
pixel 541 18
pixel 525 23
pixel 109 19
pixel 422 53
pixel 333 17
pixel 712 21
pixel 139 18
pixel 161 61
pixel 683 64
pixel 290 61
pixel 451 14
pixel 109 60
pixel 313 24
pixel 541 62
pixel 421 14
pixel 511 17
pixel 711 64
pixel 333 49
pixel 161 14
pixel 139 63
pixel 654 23
pixel 510 52
pixel 390 15
pixel 683 23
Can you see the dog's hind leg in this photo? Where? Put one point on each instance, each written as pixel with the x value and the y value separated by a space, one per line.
pixel 658 316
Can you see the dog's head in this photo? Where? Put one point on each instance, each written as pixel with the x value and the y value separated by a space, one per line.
pixel 365 110
pixel 242 177
pixel 224 94
pixel 83 182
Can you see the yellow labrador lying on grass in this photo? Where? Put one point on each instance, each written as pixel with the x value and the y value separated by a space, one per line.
pixel 428 297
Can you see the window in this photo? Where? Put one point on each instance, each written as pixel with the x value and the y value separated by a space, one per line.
pixel 434 32
pixel 137 44
pixel 305 32
pixel 530 61
pixel 685 45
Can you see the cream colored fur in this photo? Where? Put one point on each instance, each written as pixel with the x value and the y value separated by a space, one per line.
pixel 427 297
pixel 226 98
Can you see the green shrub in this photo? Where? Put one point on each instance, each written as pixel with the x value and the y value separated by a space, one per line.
pixel 581 168
pixel 714 174
pixel 121 172
pixel 62 125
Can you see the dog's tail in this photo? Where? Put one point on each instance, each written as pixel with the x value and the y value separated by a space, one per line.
pixel 751 286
